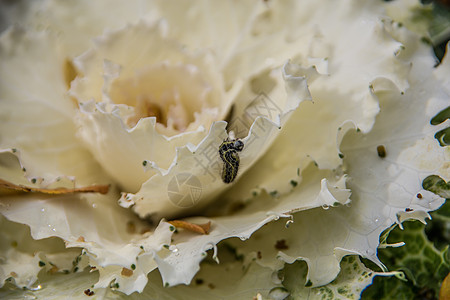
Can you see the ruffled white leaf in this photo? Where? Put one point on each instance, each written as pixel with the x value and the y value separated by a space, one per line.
pixel 135 49
pixel 164 195
pixel 113 237
pixel 36 114
pixel 143 66
pixel 22 258
pixel 248 57
pixel 341 96
pixel 132 277
pixel 59 286
pixel 45 210
pixel 226 281
pixel 126 154
pixel 385 190
pixel 98 227
pixel 308 238
pixel 257 27
pixel 52 153
pixel 122 151
pixel 182 263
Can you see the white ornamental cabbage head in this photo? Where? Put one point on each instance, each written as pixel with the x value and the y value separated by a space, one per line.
pixel 332 102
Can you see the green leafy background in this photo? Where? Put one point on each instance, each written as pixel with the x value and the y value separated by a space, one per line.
pixel 425 259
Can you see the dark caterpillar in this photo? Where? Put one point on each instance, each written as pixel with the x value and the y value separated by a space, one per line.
pixel 228 152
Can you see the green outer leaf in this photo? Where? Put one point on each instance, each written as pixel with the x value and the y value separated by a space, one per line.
pixel 352 279
pixel 424 265
pixel 437 185
pixel 441 117
pixel 443 136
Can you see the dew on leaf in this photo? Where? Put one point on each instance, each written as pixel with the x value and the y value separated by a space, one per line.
pixel 278 293
pixel 325 206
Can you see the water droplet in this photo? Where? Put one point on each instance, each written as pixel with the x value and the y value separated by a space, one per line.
pixel 288 223
pixel 376 220
pixel 325 206
pixel 36 288
pixel 94 205
pixel 173 248
pixel 243 238
pixel 43 209
pixel 278 293
pixel 370 252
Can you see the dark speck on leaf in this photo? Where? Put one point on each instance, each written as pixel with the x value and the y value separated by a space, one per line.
pixel 381 151
pixel 281 245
